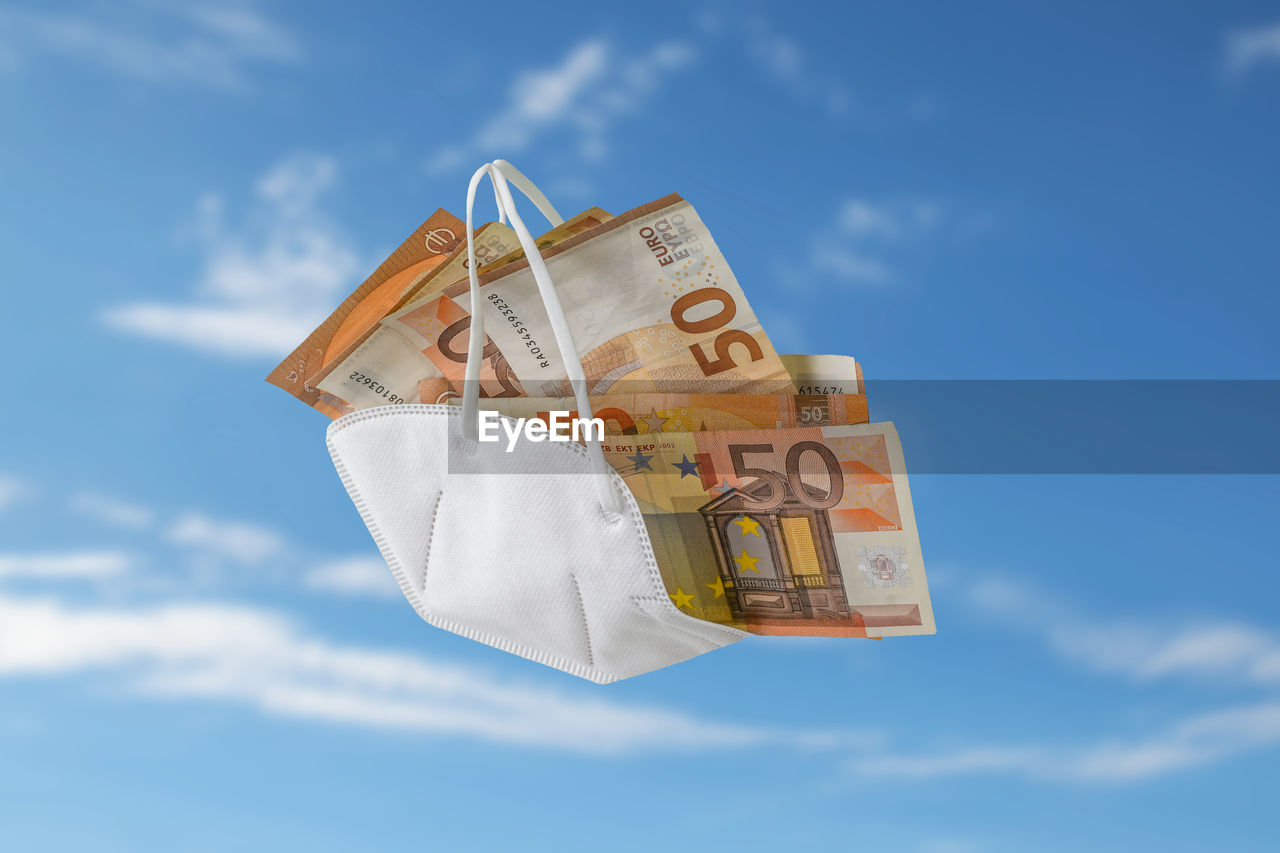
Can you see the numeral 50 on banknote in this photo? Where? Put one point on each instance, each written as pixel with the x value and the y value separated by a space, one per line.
pixel 723 341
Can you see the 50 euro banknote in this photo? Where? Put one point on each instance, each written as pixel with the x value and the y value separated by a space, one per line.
pixel 825 374
pixel 495 245
pixel 805 531
pixel 650 301
pixel 422 252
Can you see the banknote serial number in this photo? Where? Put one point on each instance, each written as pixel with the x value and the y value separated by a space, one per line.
pixel 522 331
pixel 376 387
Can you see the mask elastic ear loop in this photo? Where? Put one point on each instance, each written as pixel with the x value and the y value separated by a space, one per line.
pixel 475 340
pixel 559 327
pixel 530 190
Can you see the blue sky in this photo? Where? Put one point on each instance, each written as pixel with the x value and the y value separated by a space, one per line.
pixel 198 646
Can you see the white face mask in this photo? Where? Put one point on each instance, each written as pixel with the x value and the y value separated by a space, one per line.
pixel 540 551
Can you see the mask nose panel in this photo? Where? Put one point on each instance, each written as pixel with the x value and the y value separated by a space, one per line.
pixel 526 560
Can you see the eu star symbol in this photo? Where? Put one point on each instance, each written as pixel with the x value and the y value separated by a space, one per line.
pixel 717 588
pixel 654 421
pixel 682 598
pixel 723 487
pixel 641 461
pixel 747 563
pixel 748 525
pixel 687 467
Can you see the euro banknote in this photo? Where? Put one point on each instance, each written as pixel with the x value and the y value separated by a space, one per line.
pixel 804 531
pixel 585 221
pixel 496 246
pixel 493 240
pixel 432 257
pixel 657 413
pixel 650 301
pixel 422 252
pixel 825 374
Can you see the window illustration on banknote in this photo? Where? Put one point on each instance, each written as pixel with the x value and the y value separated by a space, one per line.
pixel 776 564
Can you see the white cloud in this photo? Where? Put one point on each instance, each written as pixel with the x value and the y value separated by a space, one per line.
pixel 863 241
pixel 846 264
pixel 1250 48
pixel 1148 650
pixel 780 57
pixel 1140 650
pixel 112 511
pixel 1194 742
pixel 240 541
pixel 584 95
pixel 205 44
pixel 889 221
pixel 267 285
pixel 65 565
pixel 10 490
pixel 261 660
pixel 358 576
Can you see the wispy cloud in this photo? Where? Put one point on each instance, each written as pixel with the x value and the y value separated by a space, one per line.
pixel 111 511
pixel 1247 49
pixel 863 242
pixel 262 660
pixel 1193 742
pixel 266 285
pixel 781 58
pixel 212 45
pixel 1221 650
pixel 583 96
pixel 354 576
pixel 240 541
pixel 65 565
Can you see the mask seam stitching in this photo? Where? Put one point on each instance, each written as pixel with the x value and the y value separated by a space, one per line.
pixel 655 576
pixel 586 629
pixel 691 630
pixel 533 653
pixel 379 538
pixel 431 537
